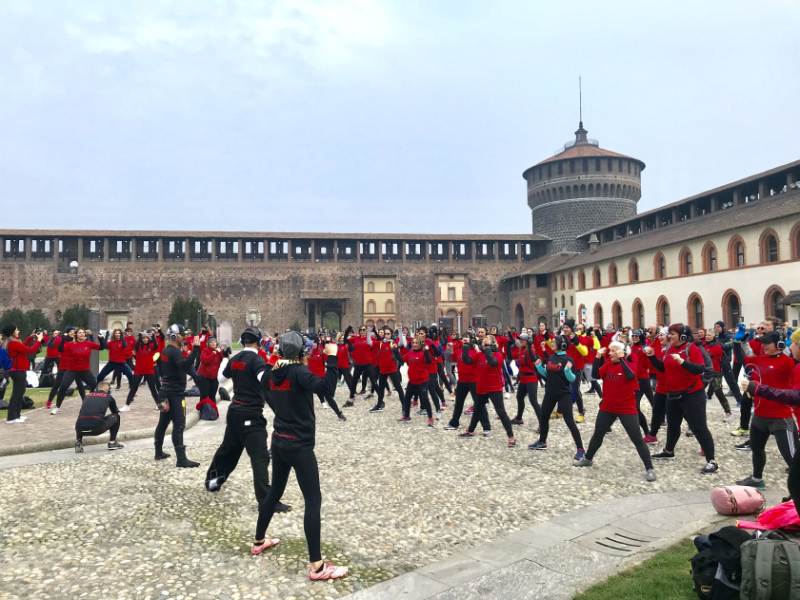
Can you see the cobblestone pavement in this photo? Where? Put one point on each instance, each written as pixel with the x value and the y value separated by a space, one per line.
pixel 395 497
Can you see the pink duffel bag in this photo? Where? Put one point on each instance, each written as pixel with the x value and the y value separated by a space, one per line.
pixel 737 500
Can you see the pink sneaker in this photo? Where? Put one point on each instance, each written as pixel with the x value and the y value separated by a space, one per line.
pixel 49 405
pixel 329 571
pixel 650 439
pixel 469 410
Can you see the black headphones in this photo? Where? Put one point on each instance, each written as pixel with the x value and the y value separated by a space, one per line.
pixel 562 343
pixel 685 334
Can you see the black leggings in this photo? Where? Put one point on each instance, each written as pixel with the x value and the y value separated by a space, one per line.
pixel 243 431
pixel 443 378
pixel 69 376
pixel 109 423
pixel 347 376
pixel 564 403
pixel 532 391
pixel 19 380
pixel 420 390
pixel 793 482
pixel 659 413
pixel 177 416
pixel 462 389
pixel 785 433
pixel 117 367
pixel 152 383
pixel 208 387
pixel 496 399
pixel 435 391
pixel 630 423
pixel 645 389
pixel 691 407
pixel 397 384
pixel 331 402
pixel 746 410
pixel 304 463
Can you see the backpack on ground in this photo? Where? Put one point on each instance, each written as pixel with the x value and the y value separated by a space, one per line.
pixel 737 500
pixel 27 403
pixel 5 359
pixel 770 568
pixel 716 569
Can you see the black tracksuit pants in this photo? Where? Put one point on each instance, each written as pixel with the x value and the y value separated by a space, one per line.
pixel 564 404
pixel 532 391
pixel 109 423
pixel 659 413
pixel 152 383
pixel 19 380
pixel 397 384
pixel 691 407
pixel 496 398
pixel 462 389
pixel 630 423
pixel 360 371
pixel 785 433
pixel 244 429
pixel 645 389
pixel 116 367
pixel 420 390
pixel 176 415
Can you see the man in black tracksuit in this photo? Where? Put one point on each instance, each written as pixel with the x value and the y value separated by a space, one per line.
pixel 172 396
pixel 245 425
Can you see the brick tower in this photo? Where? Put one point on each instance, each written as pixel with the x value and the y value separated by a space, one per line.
pixel 581 188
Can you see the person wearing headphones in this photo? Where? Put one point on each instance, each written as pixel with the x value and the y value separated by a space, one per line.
pixel 683 365
pixel 172 396
pixel 775 369
pixel 245 424
pixel 559 374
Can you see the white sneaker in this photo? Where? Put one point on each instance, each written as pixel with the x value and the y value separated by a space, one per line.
pixel 15 421
pixel 22 419
pixel 506 395
pixel 55 410
pixel 438 415
pixel 124 408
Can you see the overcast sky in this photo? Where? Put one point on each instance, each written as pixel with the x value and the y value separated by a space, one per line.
pixel 348 115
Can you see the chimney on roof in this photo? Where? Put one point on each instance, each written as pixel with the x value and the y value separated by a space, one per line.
pixel 593 243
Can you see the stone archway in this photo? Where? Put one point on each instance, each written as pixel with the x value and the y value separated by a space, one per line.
pixel 519 317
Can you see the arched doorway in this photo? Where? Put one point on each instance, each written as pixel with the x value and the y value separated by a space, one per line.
pixel 616 314
pixel 731 308
pixel 694 311
pixel 637 310
pixel 519 317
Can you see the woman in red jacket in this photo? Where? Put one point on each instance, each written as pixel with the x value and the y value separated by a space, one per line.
pixel 117 357
pixel 619 375
pixel 418 359
pixel 315 360
pixel 388 369
pixel 489 386
pixel 19 354
pixel 683 366
pixel 75 354
pixel 659 344
pixel 210 359
pixel 525 357
pixel 145 353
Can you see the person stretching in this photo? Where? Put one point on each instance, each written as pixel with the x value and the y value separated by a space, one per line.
pixel 210 360
pixel 619 374
pixel 559 375
pixel 388 370
pixel 290 395
pixel 145 352
pixel 19 355
pixel 117 357
pixel 418 360
pixel 528 380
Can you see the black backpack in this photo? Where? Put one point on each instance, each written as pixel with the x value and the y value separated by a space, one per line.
pixel 716 569
pixel 708 366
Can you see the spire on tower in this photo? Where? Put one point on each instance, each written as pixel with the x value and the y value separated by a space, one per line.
pixel 581 133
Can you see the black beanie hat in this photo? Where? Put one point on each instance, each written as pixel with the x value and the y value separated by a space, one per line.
pixel 8 330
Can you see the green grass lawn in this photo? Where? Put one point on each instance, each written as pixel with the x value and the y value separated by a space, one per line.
pixel 38 395
pixel 666 576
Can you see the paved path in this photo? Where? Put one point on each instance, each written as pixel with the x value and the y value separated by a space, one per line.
pixel 44 431
pixel 558 559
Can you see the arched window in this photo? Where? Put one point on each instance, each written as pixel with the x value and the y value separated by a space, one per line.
pixel 616 314
pixel 563 301
pixel 736 257
pixel 612 274
pixel 694 310
pixel 371 306
pixel 709 257
pixel 598 315
pixel 659 266
pixel 519 315
pixel 685 261
pixel 794 236
pixel 581 311
pixel 731 308
pixel 637 310
pixel 571 281
pixel 773 303
pixel 633 271
pixel 562 281
pixel 370 286
pixel 555 283
pixel 389 287
pixel 768 247
pixel 555 301
pixel 581 280
pixel 389 306
pixel 662 311
pixel 596 278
